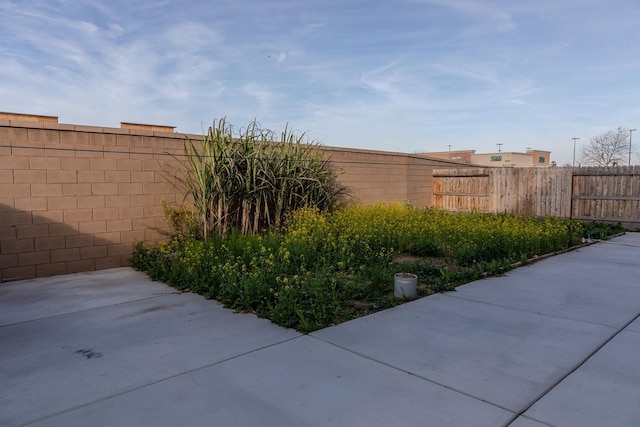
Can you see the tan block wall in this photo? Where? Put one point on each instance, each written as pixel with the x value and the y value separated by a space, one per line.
pixel 76 198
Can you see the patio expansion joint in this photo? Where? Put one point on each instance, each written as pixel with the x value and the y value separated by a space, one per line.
pixel 151 383
pixel 571 371
pixel 404 371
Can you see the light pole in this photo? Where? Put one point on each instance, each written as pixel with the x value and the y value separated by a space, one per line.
pixel 499 144
pixel 630 134
pixel 574 151
pixel 449 145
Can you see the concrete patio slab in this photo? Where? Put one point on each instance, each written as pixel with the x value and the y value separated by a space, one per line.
pixel 53 364
pixel 302 382
pixel 605 391
pixel 567 287
pixel 496 354
pixel 51 296
pixel 554 343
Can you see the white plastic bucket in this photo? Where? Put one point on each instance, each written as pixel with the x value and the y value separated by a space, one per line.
pixel 405 285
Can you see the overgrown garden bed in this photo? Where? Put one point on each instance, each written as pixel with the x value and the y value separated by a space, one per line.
pixel 321 269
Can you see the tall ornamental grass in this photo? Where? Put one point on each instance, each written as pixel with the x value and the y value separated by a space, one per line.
pixel 250 181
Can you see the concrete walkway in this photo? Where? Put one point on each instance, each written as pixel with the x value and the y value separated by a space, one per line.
pixel 554 343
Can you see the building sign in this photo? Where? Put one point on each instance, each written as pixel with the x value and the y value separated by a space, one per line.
pixel 496 158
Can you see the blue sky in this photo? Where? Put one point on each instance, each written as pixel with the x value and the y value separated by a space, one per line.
pixel 408 76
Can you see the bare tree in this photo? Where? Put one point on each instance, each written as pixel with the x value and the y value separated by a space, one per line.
pixel 608 149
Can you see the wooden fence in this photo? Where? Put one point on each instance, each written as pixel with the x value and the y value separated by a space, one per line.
pixel 602 194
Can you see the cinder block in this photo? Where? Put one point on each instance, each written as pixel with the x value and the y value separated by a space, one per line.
pixel 8 232
pixel 57 229
pixel 153 165
pixel 119 225
pixel 19 273
pixel 109 262
pixel 77 215
pixel 132 236
pixel 16 246
pixel 104 189
pixel 118 201
pixel 120 249
pixel 161 177
pixel 48 243
pixel 6 204
pixel 61 177
pixel 42 190
pixel 117 176
pixel 61 150
pixel 10 260
pixel 48 216
pixel 107 238
pixel 91 201
pixel 76 164
pixel 13 218
pixel 154 188
pixel 92 252
pixel 31 204
pixel 76 190
pixel 12 134
pixel 104 164
pixel 143 223
pixel 147 176
pixel 81 265
pixel 41 162
pixel 54 269
pixel 142 200
pixel 69 254
pixel 130 164
pixel 130 188
pixel 16 190
pixel 129 140
pixel 87 151
pixel 102 139
pixel 32 230
pixel 33 258
pixel 131 212
pixel 92 227
pixel 91 176
pixel 68 202
pixel 79 240
pixel 28 149
pixel 74 137
pixel 11 162
pixel 29 176
pixel 150 211
pixel 100 214
pixel 115 153
pixel 43 135
pixel 142 153
pixel 6 176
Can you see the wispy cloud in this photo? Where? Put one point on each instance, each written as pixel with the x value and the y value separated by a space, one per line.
pixel 409 76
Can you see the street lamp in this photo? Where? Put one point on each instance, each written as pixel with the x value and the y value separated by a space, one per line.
pixel 574 151
pixel 449 145
pixel 499 144
pixel 630 134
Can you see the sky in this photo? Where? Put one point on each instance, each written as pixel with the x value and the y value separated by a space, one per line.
pixel 404 75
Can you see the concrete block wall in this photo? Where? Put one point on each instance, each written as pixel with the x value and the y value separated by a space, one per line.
pixel 76 198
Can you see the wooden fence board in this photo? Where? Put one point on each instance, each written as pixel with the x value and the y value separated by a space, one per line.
pixel 602 194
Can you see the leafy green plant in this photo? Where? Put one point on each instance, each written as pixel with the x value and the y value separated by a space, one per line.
pixel 322 268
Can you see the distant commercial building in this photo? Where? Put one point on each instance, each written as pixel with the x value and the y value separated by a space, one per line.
pixel 531 158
